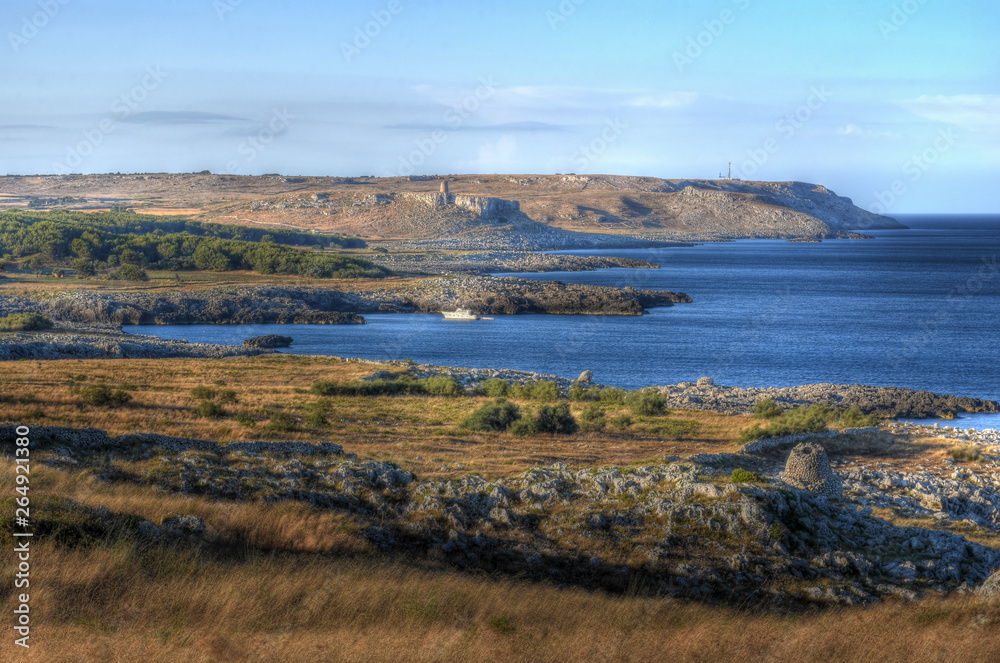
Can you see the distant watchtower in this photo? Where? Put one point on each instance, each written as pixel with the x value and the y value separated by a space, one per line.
pixel 444 188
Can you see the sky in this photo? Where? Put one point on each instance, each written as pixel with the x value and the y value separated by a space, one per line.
pixel 893 103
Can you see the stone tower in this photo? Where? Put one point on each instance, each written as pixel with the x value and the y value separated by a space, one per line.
pixel 444 188
pixel 808 468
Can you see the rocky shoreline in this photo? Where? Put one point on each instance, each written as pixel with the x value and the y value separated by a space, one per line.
pixel 305 305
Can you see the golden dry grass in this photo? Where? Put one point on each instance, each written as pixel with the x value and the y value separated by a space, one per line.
pixel 420 431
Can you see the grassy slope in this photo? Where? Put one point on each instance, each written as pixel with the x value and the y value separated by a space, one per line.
pixel 286 582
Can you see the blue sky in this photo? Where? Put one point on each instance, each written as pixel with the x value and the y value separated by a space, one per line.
pixel 893 103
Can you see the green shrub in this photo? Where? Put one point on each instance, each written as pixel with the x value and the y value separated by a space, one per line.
pixel 203 393
pixel 766 408
pixel 102 395
pixel 621 422
pixel 246 420
pixel 210 410
pixel 592 418
pixel 128 273
pixel 281 422
pixel 523 426
pixel 579 392
pixel 442 385
pixel 25 322
pixel 317 412
pixel 612 395
pixel 494 388
pixel 556 419
pixel 739 475
pixel 542 390
pixel 855 418
pixel 646 402
pixel 227 396
pixel 751 434
pixel 495 416
pixel 403 385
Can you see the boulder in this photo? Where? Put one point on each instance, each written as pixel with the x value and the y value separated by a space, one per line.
pixel 808 468
pixel 182 525
pixel 586 376
pixel 990 589
pixel 706 382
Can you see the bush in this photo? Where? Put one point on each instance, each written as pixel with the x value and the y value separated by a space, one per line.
pixel 402 385
pixel 203 393
pixel 592 418
pixel 646 402
pixel 210 410
pixel 556 419
pixel 245 420
pixel 621 422
pixel 227 395
pixel 767 409
pixel 442 385
pixel 495 416
pixel 751 434
pixel 523 426
pixel 494 388
pixel 104 396
pixel 612 395
pixel 543 390
pixel 739 475
pixel 128 273
pixel 316 413
pixel 578 392
pixel 855 418
pixel 281 422
pixel 25 322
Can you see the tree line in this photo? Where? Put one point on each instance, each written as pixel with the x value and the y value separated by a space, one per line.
pixel 106 241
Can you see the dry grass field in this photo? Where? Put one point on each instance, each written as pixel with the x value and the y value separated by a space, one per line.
pixel 286 582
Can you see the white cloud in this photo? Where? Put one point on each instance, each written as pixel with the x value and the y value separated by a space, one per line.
pixel 974 112
pixel 852 129
pixel 495 154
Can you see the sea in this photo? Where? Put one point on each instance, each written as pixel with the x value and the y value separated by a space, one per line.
pixel 916 308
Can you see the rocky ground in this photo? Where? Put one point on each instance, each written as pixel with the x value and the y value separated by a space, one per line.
pixel 791 529
pixel 481 263
pixel 74 345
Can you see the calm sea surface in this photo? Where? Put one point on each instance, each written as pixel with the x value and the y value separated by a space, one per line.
pixel 916 308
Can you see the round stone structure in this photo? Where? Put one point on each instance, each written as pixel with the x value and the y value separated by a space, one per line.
pixel 808 468
pixel 706 382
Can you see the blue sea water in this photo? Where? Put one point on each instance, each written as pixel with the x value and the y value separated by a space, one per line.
pixel 916 308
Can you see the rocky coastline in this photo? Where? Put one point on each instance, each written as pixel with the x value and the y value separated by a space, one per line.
pixel 305 305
